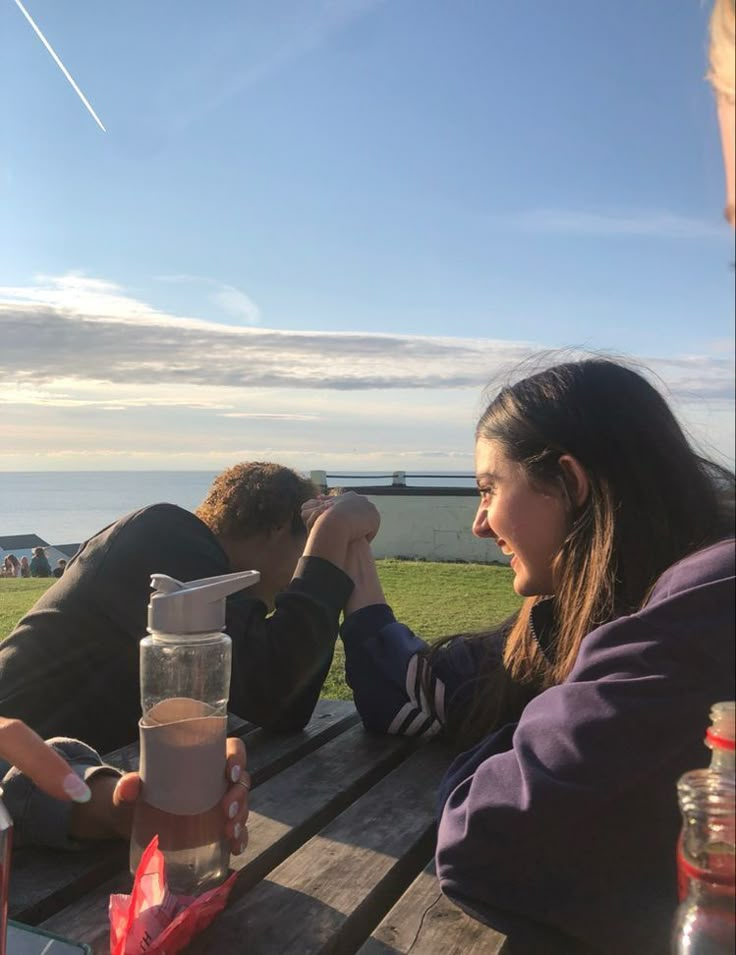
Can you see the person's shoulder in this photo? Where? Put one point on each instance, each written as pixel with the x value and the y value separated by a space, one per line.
pixel 156 516
pixel 694 595
pixel 711 565
pixel 154 526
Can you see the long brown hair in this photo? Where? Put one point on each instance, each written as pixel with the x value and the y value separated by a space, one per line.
pixel 652 500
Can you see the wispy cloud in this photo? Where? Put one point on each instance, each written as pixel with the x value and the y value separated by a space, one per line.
pixel 248 53
pixel 82 364
pixel 266 416
pixel 661 225
pixel 233 301
pixel 81 328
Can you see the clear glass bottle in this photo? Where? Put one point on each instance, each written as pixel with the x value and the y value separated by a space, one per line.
pixel 185 665
pixel 6 843
pixel 705 923
pixel 721 738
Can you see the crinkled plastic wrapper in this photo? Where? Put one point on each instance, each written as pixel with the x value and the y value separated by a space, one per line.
pixel 153 921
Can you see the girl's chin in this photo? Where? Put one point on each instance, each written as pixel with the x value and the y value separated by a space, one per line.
pixel 525 587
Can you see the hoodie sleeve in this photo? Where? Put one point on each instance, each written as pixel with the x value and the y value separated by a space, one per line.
pixel 39 819
pixel 397 686
pixel 280 660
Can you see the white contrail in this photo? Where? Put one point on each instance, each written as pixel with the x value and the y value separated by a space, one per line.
pixel 61 66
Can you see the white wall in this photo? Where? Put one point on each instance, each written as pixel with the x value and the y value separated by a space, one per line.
pixel 431 528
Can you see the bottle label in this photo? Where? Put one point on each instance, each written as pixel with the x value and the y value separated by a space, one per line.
pixel 719 872
pixel 182 763
pixel 719 742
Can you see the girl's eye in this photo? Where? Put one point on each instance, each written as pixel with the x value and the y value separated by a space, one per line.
pixel 485 493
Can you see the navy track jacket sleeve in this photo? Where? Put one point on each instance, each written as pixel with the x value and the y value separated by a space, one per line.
pixel 396 688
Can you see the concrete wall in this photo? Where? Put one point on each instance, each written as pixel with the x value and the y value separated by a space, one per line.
pixel 431 528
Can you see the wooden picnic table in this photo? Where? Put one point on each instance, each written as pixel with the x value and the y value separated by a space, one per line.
pixel 342 829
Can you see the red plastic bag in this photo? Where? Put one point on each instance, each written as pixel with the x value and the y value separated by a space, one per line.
pixel 153 921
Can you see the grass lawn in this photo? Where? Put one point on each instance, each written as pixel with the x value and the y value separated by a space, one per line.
pixel 16 596
pixel 433 599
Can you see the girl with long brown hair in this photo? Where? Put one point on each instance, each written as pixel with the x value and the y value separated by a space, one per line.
pixel 586 708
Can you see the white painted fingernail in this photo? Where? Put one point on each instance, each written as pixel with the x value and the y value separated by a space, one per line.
pixel 232 809
pixel 76 788
pixel 235 773
pixel 237 829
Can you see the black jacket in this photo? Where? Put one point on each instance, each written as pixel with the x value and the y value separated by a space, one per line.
pixel 70 667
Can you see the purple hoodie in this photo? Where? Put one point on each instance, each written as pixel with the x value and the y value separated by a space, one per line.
pixel 568 819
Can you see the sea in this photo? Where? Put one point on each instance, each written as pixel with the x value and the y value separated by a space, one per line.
pixel 67 507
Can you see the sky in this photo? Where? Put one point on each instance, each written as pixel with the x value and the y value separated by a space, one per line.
pixel 314 231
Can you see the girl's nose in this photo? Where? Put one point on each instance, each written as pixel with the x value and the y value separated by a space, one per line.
pixel 481 527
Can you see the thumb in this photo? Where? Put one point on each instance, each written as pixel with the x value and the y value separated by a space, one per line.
pixel 127 790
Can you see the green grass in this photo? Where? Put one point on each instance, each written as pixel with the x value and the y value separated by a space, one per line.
pixel 17 596
pixel 433 599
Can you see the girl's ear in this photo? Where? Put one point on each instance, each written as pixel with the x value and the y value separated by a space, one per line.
pixel 576 479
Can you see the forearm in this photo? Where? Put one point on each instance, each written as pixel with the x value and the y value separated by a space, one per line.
pixel 101 817
pixel 328 539
pixel 40 819
pixel 280 661
pixel 361 568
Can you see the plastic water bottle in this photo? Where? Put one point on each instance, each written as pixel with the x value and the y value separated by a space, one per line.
pixel 705 923
pixel 185 665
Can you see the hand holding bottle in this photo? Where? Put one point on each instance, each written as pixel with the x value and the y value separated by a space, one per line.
pixel 109 812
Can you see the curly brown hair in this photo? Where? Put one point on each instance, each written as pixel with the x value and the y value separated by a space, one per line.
pixel 255 497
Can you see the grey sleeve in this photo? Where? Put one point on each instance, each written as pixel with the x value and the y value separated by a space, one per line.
pixel 41 820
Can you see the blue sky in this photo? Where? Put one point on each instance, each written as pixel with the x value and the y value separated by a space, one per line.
pixel 313 230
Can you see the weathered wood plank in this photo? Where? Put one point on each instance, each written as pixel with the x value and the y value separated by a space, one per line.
pixel 43 881
pixel 424 922
pixel 286 811
pixel 329 895
pixel 269 754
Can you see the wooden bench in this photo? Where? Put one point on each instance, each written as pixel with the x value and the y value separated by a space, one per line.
pixel 342 829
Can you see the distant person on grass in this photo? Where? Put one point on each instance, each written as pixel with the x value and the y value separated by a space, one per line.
pixel 579 715
pixel 25 567
pixel 40 566
pixel 70 667
pixel 11 566
pixel 60 567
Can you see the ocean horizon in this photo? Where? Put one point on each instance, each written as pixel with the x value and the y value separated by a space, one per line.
pixel 67 507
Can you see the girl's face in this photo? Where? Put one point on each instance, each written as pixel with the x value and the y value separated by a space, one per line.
pixel 527 523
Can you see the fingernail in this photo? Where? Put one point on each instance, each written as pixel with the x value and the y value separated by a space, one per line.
pixel 76 788
pixel 237 829
pixel 235 773
pixel 232 808
pixel 241 848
